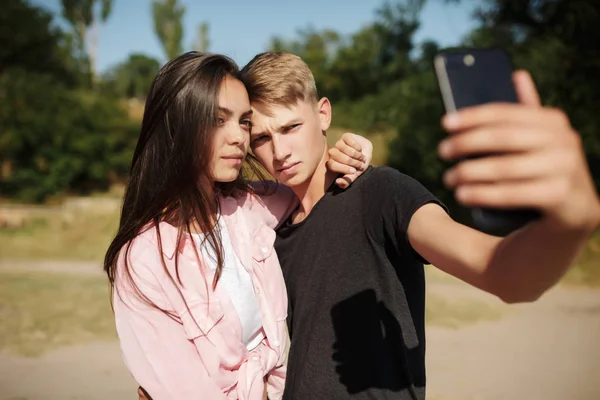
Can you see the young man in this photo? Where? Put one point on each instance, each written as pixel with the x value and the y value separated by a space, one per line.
pixel 357 293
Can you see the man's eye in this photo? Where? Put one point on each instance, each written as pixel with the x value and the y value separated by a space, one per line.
pixel 247 123
pixel 220 121
pixel 291 127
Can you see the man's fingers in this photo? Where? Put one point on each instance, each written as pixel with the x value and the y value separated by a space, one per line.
pixel 341 158
pixel 526 90
pixel 512 167
pixel 348 139
pixel 492 139
pixel 504 113
pixel 353 150
pixel 540 194
pixel 343 182
pixel 340 168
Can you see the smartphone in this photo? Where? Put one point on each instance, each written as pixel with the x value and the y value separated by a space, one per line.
pixel 474 76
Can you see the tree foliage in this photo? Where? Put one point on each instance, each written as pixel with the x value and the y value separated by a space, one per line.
pixel 379 79
pixel 83 17
pixel 38 46
pixel 202 43
pixel 57 136
pixel 168 25
pixel 133 77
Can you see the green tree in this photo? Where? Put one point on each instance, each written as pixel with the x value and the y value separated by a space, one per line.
pixel 354 71
pixel 59 140
pixel 317 49
pixel 554 40
pixel 37 46
pixel 133 77
pixel 380 79
pixel 55 137
pixel 557 41
pixel 416 120
pixel 348 69
pixel 85 20
pixel 202 43
pixel 168 25
pixel 396 26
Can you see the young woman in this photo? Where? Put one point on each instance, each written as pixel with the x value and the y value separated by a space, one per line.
pixel 199 299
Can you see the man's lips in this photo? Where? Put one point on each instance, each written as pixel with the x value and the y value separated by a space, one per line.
pixel 288 169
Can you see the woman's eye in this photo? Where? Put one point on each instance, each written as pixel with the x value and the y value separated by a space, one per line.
pixel 259 139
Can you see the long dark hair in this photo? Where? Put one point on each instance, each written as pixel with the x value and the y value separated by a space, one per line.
pixel 169 171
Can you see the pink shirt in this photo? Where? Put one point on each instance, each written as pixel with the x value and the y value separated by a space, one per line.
pixel 198 353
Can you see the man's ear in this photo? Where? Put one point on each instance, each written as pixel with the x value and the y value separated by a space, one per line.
pixel 324 108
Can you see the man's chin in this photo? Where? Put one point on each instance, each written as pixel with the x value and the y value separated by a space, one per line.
pixel 291 181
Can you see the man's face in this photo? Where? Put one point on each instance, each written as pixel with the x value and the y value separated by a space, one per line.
pixel 289 141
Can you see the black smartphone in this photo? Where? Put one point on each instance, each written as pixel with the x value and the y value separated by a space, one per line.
pixel 474 76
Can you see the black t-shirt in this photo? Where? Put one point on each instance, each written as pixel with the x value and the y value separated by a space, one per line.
pixel 356 292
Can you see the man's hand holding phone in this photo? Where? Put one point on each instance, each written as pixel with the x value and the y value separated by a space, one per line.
pixel 534 159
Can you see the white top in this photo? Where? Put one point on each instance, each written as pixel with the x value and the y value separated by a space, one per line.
pixel 237 284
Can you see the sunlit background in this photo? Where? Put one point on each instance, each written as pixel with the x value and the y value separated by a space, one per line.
pixel 73 79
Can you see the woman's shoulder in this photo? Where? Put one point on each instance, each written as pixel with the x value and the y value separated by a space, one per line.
pixel 145 254
pixel 267 201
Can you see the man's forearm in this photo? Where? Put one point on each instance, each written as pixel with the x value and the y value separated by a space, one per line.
pixel 530 261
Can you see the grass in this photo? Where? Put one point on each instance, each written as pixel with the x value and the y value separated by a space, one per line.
pixel 587 270
pixel 43 310
pixel 60 235
pixel 84 235
pixel 450 311
pixel 457 313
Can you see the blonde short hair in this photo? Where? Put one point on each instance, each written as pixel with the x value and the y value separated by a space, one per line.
pixel 278 78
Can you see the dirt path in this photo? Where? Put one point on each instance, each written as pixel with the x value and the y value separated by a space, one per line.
pixel 546 350
pixel 77 267
pixel 93 371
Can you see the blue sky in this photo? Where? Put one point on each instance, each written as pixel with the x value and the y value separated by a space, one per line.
pixel 242 29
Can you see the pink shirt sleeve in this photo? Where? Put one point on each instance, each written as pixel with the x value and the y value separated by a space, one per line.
pixel 154 346
pixel 276 202
pixel 276 382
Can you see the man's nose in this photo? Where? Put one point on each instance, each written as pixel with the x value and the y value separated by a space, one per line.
pixel 280 148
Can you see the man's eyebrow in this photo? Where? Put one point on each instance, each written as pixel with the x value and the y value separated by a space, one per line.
pixel 247 114
pixel 281 127
pixel 294 121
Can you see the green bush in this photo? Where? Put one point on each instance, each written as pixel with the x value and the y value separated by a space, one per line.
pixel 59 140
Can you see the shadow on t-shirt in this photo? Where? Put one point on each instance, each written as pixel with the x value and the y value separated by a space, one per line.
pixel 369 351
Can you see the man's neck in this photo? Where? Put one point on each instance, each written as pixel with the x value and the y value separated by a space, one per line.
pixel 313 189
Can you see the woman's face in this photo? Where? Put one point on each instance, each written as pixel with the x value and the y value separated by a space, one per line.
pixel 232 137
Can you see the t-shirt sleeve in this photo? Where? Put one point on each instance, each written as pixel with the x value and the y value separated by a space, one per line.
pixel 393 198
